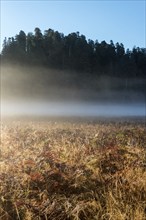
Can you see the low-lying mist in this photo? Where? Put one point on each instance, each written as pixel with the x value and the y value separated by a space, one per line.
pixel 48 92
pixel 72 109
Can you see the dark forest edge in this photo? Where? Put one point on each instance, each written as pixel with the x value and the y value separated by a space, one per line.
pixel 74 52
pixel 73 60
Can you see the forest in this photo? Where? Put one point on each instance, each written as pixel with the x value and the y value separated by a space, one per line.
pixel 80 64
pixel 74 52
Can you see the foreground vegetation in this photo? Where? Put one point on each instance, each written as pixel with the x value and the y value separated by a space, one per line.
pixel 68 170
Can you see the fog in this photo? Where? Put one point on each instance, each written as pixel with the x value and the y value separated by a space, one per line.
pixel 42 92
pixel 72 109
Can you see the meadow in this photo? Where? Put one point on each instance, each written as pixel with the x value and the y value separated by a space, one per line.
pixel 72 170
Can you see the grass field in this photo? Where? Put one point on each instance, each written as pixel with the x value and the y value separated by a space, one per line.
pixel 72 170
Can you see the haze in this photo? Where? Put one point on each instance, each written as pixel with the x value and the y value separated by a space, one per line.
pixel 41 92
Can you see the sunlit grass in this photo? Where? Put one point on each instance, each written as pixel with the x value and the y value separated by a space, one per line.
pixel 65 170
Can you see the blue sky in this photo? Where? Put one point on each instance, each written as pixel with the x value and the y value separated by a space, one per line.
pixel 121 21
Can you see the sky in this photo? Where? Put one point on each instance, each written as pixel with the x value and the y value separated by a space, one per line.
pixel 122 21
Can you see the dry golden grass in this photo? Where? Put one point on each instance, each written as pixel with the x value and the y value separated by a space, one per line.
pixel 74 171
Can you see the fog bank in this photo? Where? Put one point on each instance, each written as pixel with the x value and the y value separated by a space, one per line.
pixel 48 92
pixel 72 109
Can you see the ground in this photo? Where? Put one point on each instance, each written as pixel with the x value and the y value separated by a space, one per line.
pixel 69 169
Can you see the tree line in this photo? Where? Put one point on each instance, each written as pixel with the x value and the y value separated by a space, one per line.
pixel 74 52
